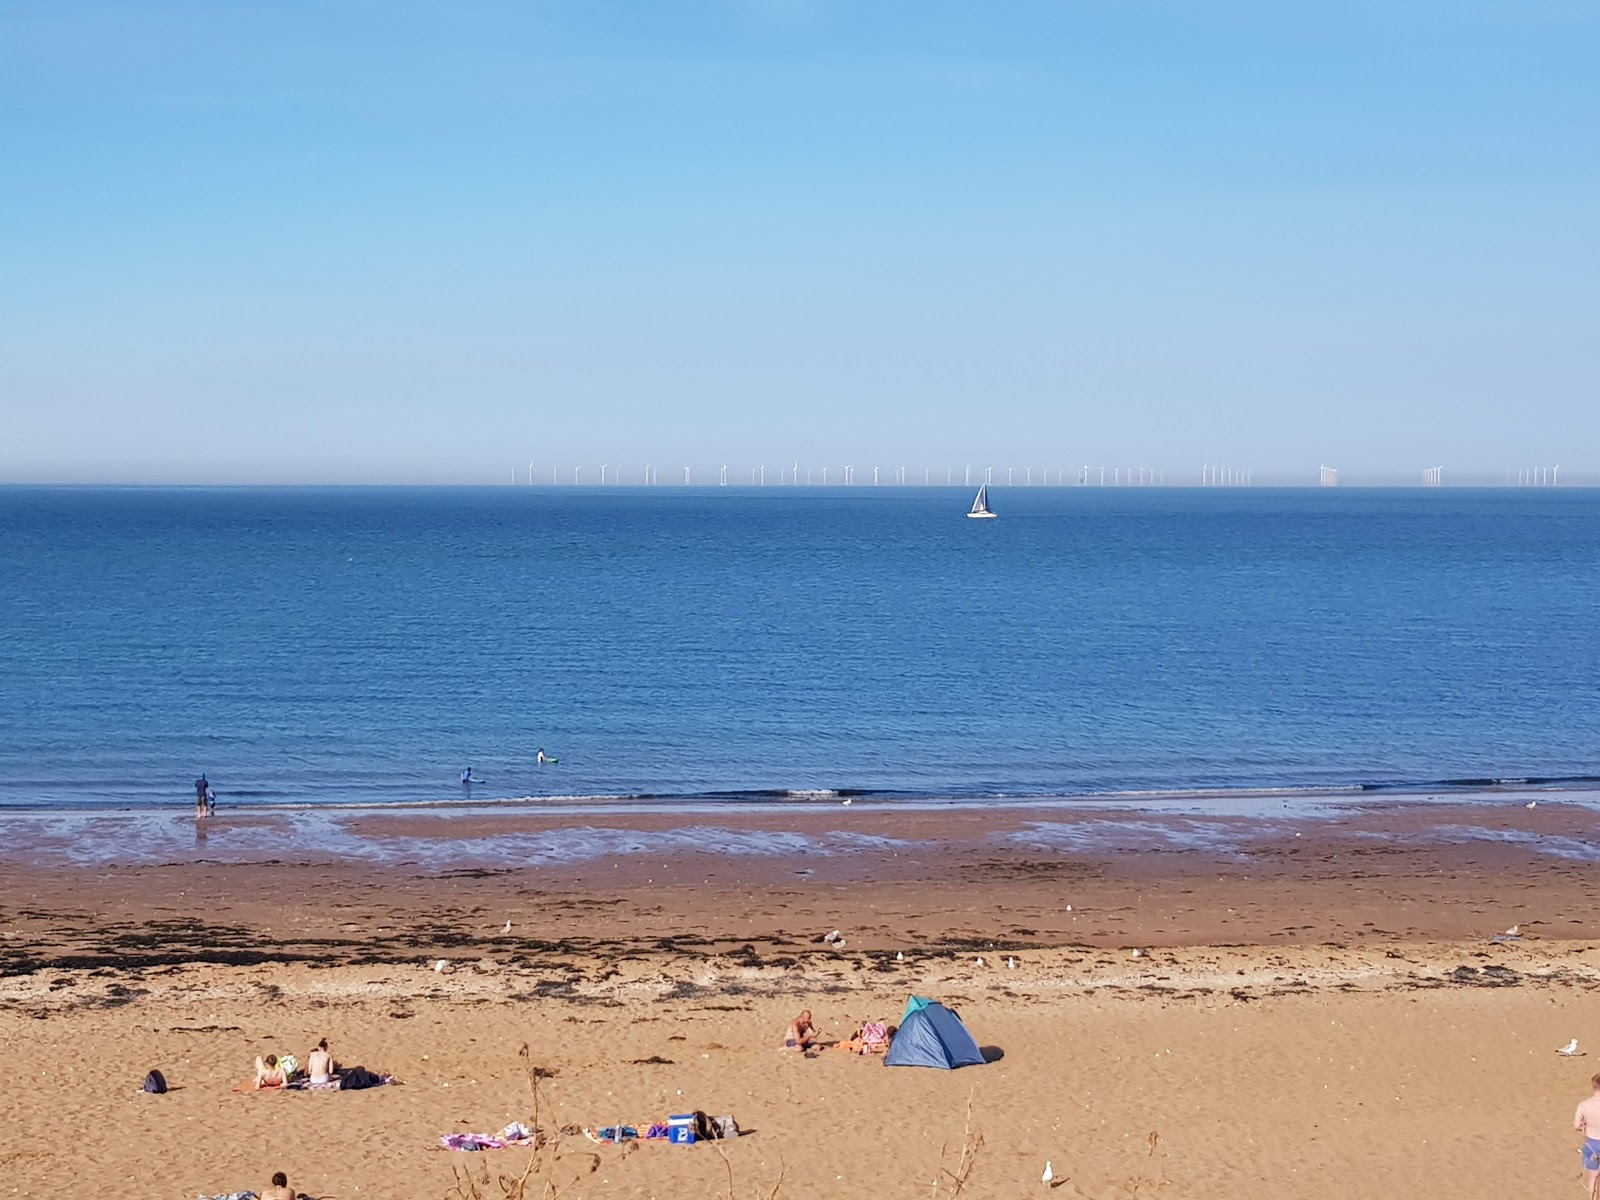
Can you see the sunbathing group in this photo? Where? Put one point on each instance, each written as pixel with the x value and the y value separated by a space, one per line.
pixel 275 1072
pixel 871 1038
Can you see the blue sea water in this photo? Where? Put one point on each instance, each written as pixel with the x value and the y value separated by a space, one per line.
pixel 366 645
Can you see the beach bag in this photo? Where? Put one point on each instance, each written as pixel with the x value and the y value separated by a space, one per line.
pixel 155 1083
pixel 726 1127
pixel 704 1130
pixel 357 1078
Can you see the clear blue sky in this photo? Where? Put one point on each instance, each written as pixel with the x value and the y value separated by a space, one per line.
pixel 393 240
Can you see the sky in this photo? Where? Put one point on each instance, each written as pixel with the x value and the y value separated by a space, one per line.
pixel 397 241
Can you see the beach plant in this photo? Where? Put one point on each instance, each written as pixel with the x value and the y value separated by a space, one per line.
pixel 956 1178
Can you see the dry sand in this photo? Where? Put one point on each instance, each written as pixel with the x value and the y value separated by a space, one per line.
pixel 1330 1019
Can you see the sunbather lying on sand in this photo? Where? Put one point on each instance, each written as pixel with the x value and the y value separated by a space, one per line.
pixel 280 1189
pixel 802 1033
pixel 269 1074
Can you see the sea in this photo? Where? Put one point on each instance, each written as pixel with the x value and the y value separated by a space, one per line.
pixel 366 646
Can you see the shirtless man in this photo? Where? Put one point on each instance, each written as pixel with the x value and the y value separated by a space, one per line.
pixel 1587 1122
pixel 802 1034
pixel 280 1189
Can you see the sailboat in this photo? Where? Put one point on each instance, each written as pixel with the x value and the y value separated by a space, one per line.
pixel 980 504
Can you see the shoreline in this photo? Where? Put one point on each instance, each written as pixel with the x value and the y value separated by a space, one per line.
pixel 396 887
pixel 1550 822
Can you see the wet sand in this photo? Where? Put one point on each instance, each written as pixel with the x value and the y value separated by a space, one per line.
pixel 1321 1014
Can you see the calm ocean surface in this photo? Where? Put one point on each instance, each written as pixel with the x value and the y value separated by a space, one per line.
pixel 366 645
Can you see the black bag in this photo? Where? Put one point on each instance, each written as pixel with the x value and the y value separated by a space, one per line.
pixel 356 1078
pixel 155 1083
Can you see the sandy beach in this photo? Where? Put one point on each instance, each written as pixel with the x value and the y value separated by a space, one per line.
pixel 1324 1014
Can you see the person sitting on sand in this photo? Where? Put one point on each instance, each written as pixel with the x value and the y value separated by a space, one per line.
pixel 871 1038
pixel 319 1064
pixel 280 1189
pixel 269 1074
pixel 802 1033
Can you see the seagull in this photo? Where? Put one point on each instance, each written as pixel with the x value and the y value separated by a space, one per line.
pixel 1011 964
pixel 1049 1174
pixel 507 928
pixel 831 937
pixel 1569 1049
pixel 848 803
pixel 439 966
pixel 1069 908
pixel 1514 931
pixel 1531 805
pixel 899 957
pixel 1138 953
pixel 979 961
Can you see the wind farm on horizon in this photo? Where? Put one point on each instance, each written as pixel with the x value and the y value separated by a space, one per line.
pixel 969 475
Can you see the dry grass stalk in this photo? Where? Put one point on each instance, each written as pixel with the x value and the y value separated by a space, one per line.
pixel 783 1169
pixel 971 1143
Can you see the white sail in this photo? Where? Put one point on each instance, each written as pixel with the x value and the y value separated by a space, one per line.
pixel 980 503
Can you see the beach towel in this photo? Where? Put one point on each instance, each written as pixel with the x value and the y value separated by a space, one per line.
pixel 231 1196
pixel 514 1134
pixel 610 1135
pixel 341 1082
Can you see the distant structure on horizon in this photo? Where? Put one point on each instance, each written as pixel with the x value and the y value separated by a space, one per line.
pixel 1329 477
pixel 1432 477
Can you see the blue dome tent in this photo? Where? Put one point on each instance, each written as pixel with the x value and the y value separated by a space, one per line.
pixel 931 1035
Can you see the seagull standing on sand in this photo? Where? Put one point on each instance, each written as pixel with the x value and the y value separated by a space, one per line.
pixel 1569 1049
pixel 1049 1174
pixel 1531 805
pixel 1514 931
pixel 507 929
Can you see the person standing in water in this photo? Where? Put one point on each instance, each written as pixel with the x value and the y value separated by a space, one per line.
pixel 201 787
pixel 543 757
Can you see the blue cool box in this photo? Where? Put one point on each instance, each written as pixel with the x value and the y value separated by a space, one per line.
pixel 680 1130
